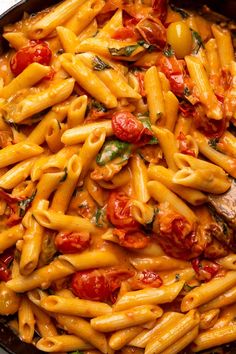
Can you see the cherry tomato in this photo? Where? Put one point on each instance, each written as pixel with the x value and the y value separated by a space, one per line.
pixel 124 33
pixel 91 285
pixel 131 239
pixel 128 128
pixel 205 270
pixel 183 145
pixel 5 273
pixel 36 51
pixel 140 77
pixel 213 128
pixel 146 279
pixel 72 242
pixel 119 211
pixel 5 259
pixel 160 8
pixel 153 31
pixel 174 73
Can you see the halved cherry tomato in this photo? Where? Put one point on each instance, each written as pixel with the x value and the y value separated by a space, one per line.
pixel 153 31
pixel 213 128
pixel 131 239
pixel 160 8
pixel 146 279
pixel 124 33
pixel 36 51
pixel 91 285
pixel 205 269
pixel 128 128
pixel 171 67
pixel 5 259
pixel 72 242
pixel 119 211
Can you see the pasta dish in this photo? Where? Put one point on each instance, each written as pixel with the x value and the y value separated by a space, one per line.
pixel 118 179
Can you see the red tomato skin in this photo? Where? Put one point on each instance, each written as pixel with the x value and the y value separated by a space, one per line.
pixel 205 270
pixel 91 285
pixel 36 51
pixel 131 239
pixel 146 279
pixel 127 127
pixel 153 31
pixel 125 33
pixel 119 211
pixel 72 242
pixel 160 7
pixel 173 71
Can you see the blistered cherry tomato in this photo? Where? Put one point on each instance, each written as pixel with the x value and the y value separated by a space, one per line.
pixel 131 239
pixel 125 33
pixel 174 73
pixel 91 285
pixel 128 128
pixel 72 242
pixel 146 279
pixel 179 37
pixel 184 145
pixel 205 269
pixel 36 51
pixel 153 31
pixel 160 8
pixel 119 211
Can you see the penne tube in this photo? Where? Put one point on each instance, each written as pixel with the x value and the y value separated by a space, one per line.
pixel 28 78
pixel 26 321
pixel 91 259
pixel 36 295
pixel 67 38
pixel 76 111
pixel 58 221
pixel 182 343
pixel 162 194
pixel 44 323
pixel 168 145
pixel 122 337
pixel 155 99
pixel 214 337
pixel 53 135
pixel 87 79
pixel 164 322
pixel 183 125
pixel 207 97
pixel 209 318
pixel 142 212
pixel 17 40
pixel 165 176
pixel 84 16
pixel 225 299
pixel 80 134
pixel 158 263
pixel 76 307
pixel 62 343
pixel 84 330
pixel 177 330
pixel 112 78
pixel 41 277
pixel 132 317
pixel 200 174
pixel 227 144
pixel 65 190
pixel 32 104
pixel 152 250
pixel 54 18
pixel 226 162
pixel 89 31
pixel 169 277
pixel 224 45
pixel 171 109
pixel 18 152
pixel 17 174
pixel 9 237
pixel 213 58
pixel 139 178
pixel 153 296
pixel 111 26
pixel 208 291
pixel 227 316
pixel 228 262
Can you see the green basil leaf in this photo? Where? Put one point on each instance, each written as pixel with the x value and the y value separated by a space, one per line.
pixel 99 106
pixel 125 51
pixel 24 204
pixel 168 51
pixel 147 124
pixel 198 40
pixel 183 13
pixel 213 143
pixel 65 175
pixel 112 149
pixel 99 64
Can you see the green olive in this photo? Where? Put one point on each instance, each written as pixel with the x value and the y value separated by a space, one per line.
pixel 179 36
pixel 9 300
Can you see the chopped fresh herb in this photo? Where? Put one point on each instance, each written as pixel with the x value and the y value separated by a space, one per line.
pixel 149 226
pixel 177 277
pixel 99 64
pixel 183 13
pixel 198 40
pixel 187 287
pixel 213 143
pixel 24 204
pixel 112 149
pixel 187 92
pixel 146 45
pixel 99 217
pixel 147 124
pixel 59 124
pixel 168 51
pixel 99 106
pixel 65 175
pixel 125 51
pixel 77 352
